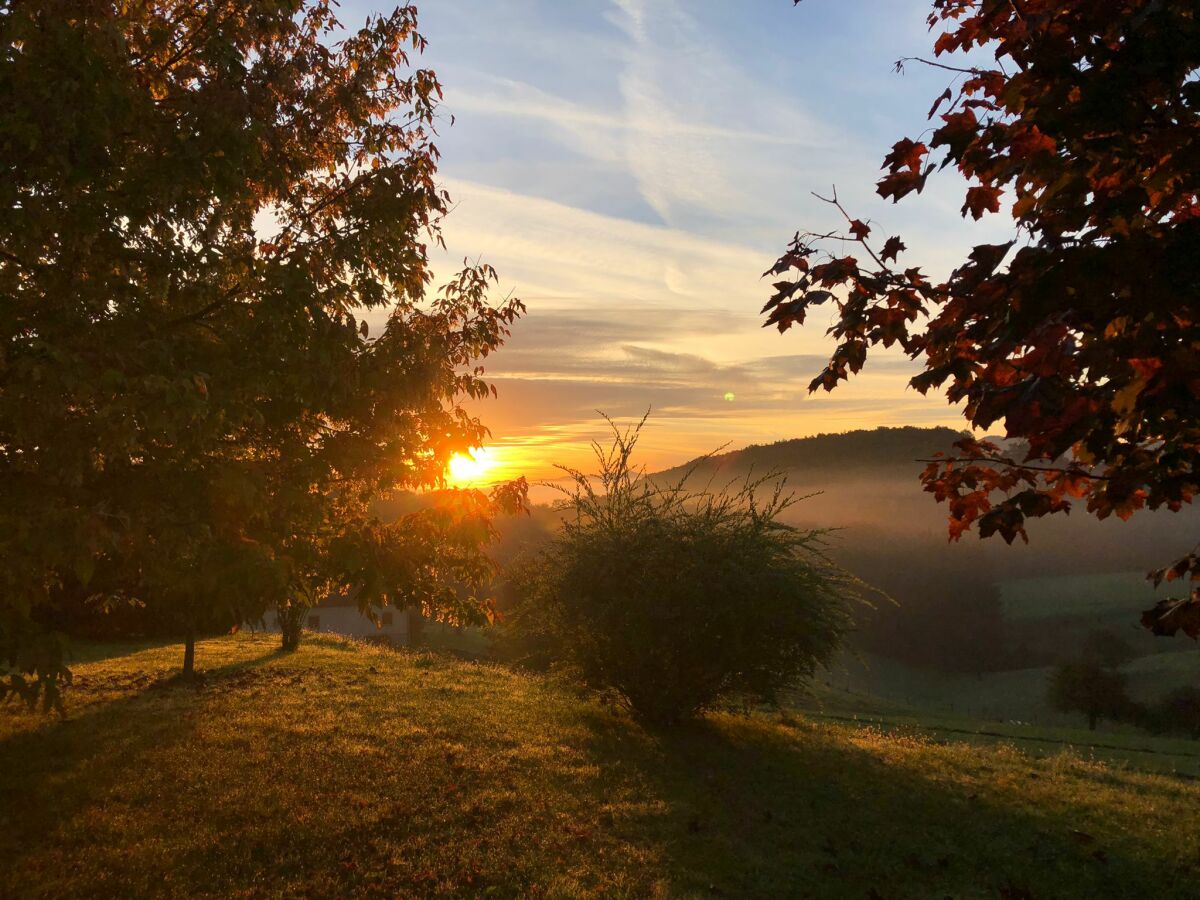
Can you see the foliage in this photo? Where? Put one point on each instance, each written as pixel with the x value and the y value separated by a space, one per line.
pixel 1106 648
pixel 1082 334
pixel 201 204
pixel 1096 691
pixel 1179 711
pixel 672 600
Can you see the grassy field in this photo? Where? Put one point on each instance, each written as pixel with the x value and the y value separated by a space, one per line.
pixel 1116 746
pixel 344 770
pixel 1017 694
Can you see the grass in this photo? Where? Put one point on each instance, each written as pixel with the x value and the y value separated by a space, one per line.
pixel 1020 694
pixel 1117 746
pixel 356 771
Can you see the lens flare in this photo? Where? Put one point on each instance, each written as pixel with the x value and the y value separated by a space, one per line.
pixel 465 469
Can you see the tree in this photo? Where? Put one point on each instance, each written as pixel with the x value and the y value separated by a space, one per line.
pixel 1082 334
pixel 671 601
pixel 1106 648
pixel 200 203
pixel 1179 711
pixel 1096 691
pixel 391 404
pixel 939 611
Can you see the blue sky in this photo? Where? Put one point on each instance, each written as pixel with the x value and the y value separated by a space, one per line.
pixel 632 166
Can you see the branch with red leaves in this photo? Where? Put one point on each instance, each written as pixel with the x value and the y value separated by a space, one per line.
pixel 1084 341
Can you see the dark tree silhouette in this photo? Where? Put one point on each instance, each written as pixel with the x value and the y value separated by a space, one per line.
pixel 200 202
pixel 1096 691
pixel 1082 333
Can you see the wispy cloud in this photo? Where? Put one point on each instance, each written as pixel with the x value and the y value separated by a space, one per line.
pixel 631 167
pixel 625 316
pixel 681 94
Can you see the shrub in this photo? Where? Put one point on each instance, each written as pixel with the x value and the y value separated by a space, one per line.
pixel 1096 691
pixel 671 600
pixel 1178 712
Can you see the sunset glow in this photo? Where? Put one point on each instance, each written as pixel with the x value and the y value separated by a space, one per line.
pixel 643 289
pixel 471 469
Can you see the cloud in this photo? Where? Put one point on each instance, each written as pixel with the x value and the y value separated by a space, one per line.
pixel 625 316
pixel 693 112
pixel 631 168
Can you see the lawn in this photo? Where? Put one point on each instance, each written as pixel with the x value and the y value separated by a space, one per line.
pixel 355 771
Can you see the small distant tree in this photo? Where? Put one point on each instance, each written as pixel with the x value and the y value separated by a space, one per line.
pixel 1106 648
pixel 1094 690
pixel 1179 711
pixel 672 601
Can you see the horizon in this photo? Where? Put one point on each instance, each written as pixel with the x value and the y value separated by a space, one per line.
pixel 633 192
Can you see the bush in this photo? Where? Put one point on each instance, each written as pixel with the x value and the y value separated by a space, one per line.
pixel 1178 712
pixel 672 601
pixel 1096 691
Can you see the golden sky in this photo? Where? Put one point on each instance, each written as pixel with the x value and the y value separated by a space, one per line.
pixel 631 167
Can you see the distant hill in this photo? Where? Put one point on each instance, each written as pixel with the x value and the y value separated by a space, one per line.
pixel 824 457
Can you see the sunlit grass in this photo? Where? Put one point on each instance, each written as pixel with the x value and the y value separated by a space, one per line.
pixel 349 770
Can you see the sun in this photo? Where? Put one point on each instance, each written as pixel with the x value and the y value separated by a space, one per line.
pixel 471 467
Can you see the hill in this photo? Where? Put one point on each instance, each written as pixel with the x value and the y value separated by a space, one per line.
pixel 986 604
pixel 823 457
pixel 355 771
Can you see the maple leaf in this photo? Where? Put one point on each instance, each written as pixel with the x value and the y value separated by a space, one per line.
pixel 945 95
pixel 892 249
pixel 1167 617
pixel 859 229
pixel 906 154
pixel 981 199
pixel 900 184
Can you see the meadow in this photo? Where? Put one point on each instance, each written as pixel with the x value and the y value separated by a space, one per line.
pixel 351 770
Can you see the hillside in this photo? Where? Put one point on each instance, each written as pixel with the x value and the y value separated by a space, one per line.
pixel 988 604
pixel 855 454
pixel 353 771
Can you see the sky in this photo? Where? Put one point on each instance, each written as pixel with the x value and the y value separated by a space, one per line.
pixel 632 167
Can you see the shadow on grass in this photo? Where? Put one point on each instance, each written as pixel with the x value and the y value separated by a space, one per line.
pixel 85 651
pixel 760 811
pixel 332 781
pixel 52 771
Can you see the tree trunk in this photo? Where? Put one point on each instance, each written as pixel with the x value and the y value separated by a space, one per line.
pixel 290 617
pixel 291 639
pixel 189 652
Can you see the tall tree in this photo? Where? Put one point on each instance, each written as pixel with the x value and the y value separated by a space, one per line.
pixel 1082 334
pixel 201 201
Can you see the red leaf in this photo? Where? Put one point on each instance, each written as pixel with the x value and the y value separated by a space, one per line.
pixel 859 229
pixel 900 184
pixel 981 200
pixel 945 95
pixel 1171 616
pixel 892 248
pixel 906 154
